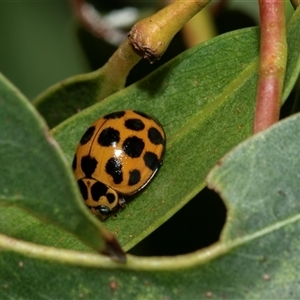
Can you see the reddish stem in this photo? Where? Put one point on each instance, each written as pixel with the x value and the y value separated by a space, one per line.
pixel 273 55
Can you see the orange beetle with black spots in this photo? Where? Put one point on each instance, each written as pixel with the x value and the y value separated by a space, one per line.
pixel 118 155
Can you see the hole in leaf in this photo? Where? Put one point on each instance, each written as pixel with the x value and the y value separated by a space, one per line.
pixel 197 225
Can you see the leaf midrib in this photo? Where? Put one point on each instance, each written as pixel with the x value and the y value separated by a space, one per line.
pixel 179 262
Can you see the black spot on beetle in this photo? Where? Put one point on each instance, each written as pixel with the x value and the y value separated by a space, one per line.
pixel 109 137
pixel 134 177
pixel 98 189
pixel 83 189
pixel 143 114
pixel 87 135
pixel 115 115
pixel 133 146
pixel 110 198
pixel 88 165
pixel 74 163
pixel 151 160
pixel 114 168
pixel 134 124
pixel 155 136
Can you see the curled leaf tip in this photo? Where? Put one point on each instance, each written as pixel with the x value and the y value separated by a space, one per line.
pixel 114 250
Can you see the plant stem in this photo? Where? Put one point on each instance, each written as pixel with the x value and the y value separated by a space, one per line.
pixel 273 56
pixel 198 29
pixel 118 67
pixel 151 36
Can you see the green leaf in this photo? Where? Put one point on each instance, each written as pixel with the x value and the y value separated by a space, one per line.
pixel 259 182
pixel 35 176
pixel 205 100
pixel 194 105
pixel 66 98
pixel 21 225
pixel 255 260
pixel 257 256
pixel 264 195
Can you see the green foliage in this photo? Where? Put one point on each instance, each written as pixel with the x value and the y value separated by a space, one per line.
pixel 36 176
pixel 205 100
pixel 263 207
pixel 74 94
pixel 187 95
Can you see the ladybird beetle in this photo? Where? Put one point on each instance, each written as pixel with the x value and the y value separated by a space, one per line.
pixel 117 155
